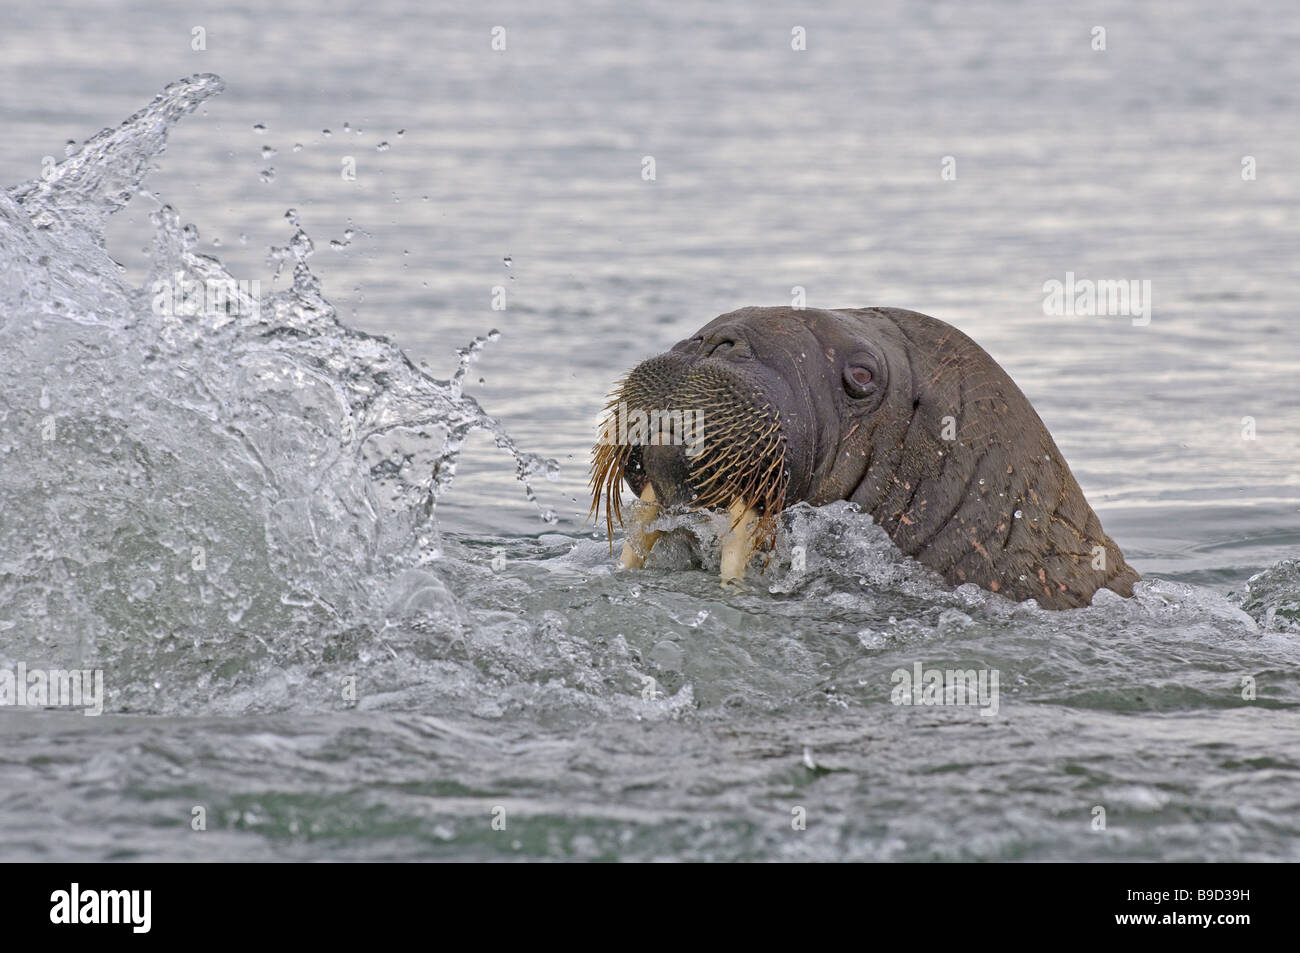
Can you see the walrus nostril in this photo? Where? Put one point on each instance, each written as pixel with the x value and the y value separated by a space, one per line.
pixel 725 343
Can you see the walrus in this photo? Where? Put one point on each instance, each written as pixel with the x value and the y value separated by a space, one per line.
pixel 893 410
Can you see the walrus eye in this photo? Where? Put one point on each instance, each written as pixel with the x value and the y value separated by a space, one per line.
pixel 859 380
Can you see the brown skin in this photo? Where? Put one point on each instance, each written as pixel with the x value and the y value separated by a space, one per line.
pixel 895 411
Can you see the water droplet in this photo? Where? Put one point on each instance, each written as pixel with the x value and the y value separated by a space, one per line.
pixel 981 481
pixel 508 260
pixel 70 147
pixel 326 132
pixel 383 146
pixel 297 147
pixel 667 655
pixel 259 128
pixel 268 175
pixel 291 216
pixel 268 152
pixel 216 243
pixel 301 245
pixel 401 132
pixel 494 335
pixel 347 127
pixel 1017 514
pixel 243 239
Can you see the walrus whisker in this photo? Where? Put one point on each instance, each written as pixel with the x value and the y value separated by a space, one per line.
pixel 608 466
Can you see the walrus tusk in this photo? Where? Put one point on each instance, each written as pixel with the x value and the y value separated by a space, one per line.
pixel 638 544
pixel 738 544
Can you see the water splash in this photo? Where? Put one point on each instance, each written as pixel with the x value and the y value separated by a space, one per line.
pixel 1273 596
pixel 191 457
pixel 85 189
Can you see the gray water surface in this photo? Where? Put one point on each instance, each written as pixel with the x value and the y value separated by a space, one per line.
pixel 354 674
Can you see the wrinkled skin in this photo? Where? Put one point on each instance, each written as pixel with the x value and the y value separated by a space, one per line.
pixel 901 414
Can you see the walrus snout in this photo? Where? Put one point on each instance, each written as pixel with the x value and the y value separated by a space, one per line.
pixel 696 430
pixel 691 428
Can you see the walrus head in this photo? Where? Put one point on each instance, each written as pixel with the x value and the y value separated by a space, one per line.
pixel 893 410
